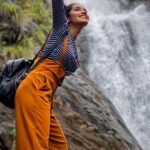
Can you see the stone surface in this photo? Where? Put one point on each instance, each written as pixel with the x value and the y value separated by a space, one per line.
pixel 88 118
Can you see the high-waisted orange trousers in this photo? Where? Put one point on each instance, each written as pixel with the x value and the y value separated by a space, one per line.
pixel 36 125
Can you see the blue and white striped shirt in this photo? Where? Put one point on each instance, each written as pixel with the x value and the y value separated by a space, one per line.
pixel 60 25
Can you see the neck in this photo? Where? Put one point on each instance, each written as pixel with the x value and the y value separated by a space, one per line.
pixel 74 30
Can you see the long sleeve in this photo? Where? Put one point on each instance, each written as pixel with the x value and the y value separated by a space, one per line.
pixel 60 26
pixel 59 16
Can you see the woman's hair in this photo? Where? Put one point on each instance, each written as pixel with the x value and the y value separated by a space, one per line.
pixel 68 8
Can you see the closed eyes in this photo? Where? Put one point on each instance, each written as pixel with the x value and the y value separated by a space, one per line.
pixel 79 8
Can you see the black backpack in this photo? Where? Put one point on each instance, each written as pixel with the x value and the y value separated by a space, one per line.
pixel 16 70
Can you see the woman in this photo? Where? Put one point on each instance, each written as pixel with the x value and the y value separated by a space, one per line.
pixel 36 125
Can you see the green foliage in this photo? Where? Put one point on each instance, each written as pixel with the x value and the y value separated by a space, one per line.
pixel 28 12
pixel 23 49
pixel 9 7
pixel 40 13
pixel 13 133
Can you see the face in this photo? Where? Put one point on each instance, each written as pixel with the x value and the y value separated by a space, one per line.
pixel 78 15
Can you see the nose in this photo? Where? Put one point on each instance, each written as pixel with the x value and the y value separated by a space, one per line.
pixel 83 12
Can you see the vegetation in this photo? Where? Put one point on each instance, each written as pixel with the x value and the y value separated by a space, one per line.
pixel 24 28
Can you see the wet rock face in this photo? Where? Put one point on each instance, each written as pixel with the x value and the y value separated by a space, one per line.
pixel 89 120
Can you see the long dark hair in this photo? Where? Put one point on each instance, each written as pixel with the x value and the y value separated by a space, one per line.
pixel 68 8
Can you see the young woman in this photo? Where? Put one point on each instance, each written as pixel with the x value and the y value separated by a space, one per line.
pixel 36 125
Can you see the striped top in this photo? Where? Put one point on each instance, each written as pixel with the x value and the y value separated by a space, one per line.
pixel 60 25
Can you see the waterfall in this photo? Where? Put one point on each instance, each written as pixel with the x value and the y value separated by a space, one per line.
pixel 119 59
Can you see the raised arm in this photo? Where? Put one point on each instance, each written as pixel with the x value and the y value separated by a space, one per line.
pixel 59 16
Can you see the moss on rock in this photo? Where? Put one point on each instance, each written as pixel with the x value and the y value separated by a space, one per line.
pixel 23 28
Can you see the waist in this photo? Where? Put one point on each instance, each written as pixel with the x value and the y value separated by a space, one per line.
pixel 48 67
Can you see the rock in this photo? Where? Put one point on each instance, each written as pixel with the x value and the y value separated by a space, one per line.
pixel 12 29
pixel 9 27
pixel 7 125
pixel 89 119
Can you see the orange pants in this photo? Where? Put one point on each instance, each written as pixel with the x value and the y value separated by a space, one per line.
pixel 36 125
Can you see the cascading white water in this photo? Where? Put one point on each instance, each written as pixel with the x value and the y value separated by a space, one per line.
pixel 119 60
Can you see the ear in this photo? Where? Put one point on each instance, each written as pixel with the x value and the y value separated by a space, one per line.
pixel 68 19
